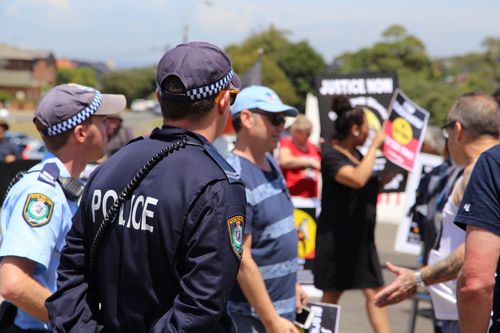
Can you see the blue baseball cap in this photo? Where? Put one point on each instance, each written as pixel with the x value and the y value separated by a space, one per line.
pixel 262 98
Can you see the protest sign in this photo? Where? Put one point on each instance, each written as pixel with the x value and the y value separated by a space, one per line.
pixel 305 223
pixel 405 130
pixel 326 318
pixel 371 91
pixel 408 236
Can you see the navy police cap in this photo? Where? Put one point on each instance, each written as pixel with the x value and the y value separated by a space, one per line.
pixel 68 105
pixel 203 68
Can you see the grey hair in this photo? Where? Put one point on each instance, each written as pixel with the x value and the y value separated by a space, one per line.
pixel 478 113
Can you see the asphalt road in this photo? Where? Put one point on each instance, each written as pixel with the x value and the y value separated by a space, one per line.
pixel 353 318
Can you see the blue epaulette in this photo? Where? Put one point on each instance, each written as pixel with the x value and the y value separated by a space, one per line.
pixel 49 174
pixel 231 174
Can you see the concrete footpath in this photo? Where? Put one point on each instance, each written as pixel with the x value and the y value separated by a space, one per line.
pixel 353 317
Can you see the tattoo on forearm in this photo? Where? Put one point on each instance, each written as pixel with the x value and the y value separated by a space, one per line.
pixel 444 270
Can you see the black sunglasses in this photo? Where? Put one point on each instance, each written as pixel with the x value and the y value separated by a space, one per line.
pixel 445 128
pixel 274 118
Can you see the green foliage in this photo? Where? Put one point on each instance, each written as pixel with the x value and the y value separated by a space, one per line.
pixel 288 68
pixel 395 32
pixel 300 62
pixel 396 51
pixel 135 83
pixel 5 96
pixel 82 75
pixel 433 84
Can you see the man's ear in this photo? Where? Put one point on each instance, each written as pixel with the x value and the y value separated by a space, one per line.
pixel 222 102
pixel 157 93
pixel 459 131
pixel 80 133
pixel 246 118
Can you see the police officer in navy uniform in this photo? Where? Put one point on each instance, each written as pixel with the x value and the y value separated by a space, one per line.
pixel 37 211
pixel 170 256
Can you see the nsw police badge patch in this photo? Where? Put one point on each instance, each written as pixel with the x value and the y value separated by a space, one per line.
pixel 235 226
pixel 38 209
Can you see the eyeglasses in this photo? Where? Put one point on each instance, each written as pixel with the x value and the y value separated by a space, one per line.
pixel 275 119
pixel 445 129
pixel 232 95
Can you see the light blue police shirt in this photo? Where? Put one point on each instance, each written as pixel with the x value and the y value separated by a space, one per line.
pixel 35 218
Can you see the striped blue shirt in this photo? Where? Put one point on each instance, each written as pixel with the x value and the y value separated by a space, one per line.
pixel 270 221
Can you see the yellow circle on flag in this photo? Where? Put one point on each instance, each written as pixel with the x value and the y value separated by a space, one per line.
pixel 306 232
pixel 372 119
pixel 402 131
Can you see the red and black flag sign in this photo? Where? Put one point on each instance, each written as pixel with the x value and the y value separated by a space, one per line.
pixel 405 130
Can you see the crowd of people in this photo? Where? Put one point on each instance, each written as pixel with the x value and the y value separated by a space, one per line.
pixel 167 235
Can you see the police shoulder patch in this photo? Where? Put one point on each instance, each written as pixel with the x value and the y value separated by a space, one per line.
pixel 235 226
pixel 38 209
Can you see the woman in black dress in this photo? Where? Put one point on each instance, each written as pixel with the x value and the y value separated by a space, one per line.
pixel 346 257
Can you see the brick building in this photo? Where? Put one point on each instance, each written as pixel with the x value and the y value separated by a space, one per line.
pixel 25 74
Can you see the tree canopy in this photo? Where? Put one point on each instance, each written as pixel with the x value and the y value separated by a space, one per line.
pixel 290 68
pixel 82 75
pixel 434 84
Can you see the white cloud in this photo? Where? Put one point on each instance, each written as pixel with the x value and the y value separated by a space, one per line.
pixel 58 4
pixel 216 18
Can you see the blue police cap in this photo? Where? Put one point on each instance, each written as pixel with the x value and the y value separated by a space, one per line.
pixel 67 105
pixel 203 68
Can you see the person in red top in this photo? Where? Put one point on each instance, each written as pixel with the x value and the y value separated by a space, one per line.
pixel 300 160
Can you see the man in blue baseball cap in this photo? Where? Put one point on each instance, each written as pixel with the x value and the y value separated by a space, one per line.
pixel 172 248
pixel 267 295
pixel 37 211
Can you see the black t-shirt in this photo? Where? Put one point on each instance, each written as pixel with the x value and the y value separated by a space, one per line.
pixel 341 203
pixel 480 207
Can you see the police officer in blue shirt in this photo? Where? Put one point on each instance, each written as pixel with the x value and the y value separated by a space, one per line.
pixel 37 211
pixel 160 253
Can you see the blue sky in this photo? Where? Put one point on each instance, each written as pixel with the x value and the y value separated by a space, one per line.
pixel 136 32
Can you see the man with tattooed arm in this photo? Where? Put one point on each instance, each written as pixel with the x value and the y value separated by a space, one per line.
pixel 472 128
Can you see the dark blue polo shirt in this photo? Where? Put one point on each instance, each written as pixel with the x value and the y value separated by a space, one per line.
pixel 480 207
pixel 170 258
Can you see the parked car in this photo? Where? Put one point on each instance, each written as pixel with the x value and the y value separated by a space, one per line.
pixel 19 139
pixel 34 150
pixel 27 147
pixel 142 105
pixel 157 108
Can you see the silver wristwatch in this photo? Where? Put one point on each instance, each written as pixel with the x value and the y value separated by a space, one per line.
pixel 420 279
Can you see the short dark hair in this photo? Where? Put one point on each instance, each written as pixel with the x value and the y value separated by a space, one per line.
pixel 55 142
pixel 185 108
pixel 236 119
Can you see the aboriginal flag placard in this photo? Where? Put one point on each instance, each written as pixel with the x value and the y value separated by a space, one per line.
pixel 405 130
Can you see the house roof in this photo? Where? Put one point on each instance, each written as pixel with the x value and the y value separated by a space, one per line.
pixel 10 78
pixel 13 52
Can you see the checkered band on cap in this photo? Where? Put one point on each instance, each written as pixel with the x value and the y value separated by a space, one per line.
pixel 77 119
pixel 210 90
